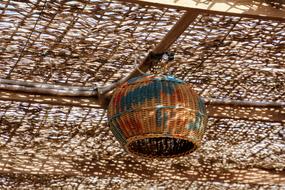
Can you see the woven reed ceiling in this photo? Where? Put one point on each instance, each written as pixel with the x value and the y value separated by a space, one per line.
pixel 95 43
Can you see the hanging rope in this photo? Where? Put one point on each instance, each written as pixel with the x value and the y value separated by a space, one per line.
pixel 162 62
pixel 162 59
pixel 137 65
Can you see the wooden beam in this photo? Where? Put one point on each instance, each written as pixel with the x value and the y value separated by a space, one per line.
pixel 241 8
pixel 180 26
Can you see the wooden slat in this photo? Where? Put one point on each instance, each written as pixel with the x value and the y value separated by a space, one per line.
pixel 242 8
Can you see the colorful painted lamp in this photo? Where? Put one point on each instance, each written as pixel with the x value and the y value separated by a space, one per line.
pixel 157 116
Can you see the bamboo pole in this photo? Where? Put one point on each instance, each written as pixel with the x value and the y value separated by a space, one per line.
pixel 48 89
pixel 55 95
pixel 243 103
pixel 89 92
pixel 76 101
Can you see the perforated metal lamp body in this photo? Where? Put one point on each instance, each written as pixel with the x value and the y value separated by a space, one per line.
pixel 157 116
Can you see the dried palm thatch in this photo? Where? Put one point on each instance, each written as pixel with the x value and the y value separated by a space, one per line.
pixel 62 142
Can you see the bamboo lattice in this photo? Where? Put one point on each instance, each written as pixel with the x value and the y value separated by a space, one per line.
pixel 87 43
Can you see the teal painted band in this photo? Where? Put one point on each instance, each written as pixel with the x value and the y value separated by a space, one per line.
pixel 162 77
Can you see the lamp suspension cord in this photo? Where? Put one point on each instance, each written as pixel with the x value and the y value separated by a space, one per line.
pixel 137 65
pixel 162 61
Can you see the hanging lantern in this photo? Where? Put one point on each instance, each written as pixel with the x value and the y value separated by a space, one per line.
pixel 157 116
